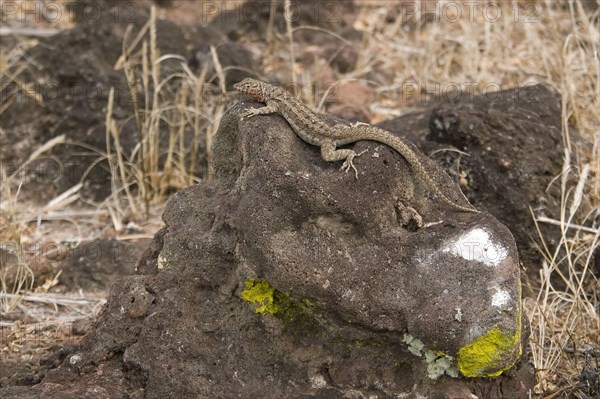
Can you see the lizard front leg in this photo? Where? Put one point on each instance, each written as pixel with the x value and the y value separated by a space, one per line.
pixel 267 109
pixel 331 154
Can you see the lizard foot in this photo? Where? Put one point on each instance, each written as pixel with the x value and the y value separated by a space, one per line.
pixel 348 163
pixel 249 113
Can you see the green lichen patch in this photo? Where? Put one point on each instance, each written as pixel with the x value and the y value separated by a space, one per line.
pixel 415 346
pixel 489 355
pixel 438 363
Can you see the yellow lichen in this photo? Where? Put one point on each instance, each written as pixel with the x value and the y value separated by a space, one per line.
pixel 493 353
pixel 489 355
pixel 261 293
pixel 296 316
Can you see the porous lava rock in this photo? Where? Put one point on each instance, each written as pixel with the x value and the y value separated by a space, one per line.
pixel 505 148
pixel 286 277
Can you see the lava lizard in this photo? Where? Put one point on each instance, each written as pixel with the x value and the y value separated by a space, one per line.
pixel 313 129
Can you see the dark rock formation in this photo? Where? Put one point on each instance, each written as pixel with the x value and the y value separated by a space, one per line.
pixel 95 265
pixel 285 277
pixel 514 149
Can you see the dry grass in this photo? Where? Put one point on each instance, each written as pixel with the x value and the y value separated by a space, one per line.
pixel 545 42
pixel 48 320
pixel 174 125
pixel 12 65
pixel 564 321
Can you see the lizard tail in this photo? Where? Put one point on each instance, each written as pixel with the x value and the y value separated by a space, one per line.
pixel 412 158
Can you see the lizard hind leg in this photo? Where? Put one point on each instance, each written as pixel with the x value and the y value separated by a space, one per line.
pixel 330 154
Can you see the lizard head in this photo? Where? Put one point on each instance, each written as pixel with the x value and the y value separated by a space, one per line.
pixel 253 88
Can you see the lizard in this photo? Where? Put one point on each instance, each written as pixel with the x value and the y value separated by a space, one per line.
pixel 313 129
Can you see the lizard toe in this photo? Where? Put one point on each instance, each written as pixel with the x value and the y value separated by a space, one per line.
pixel 248 113
pixel 347 165
pixel 363 151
